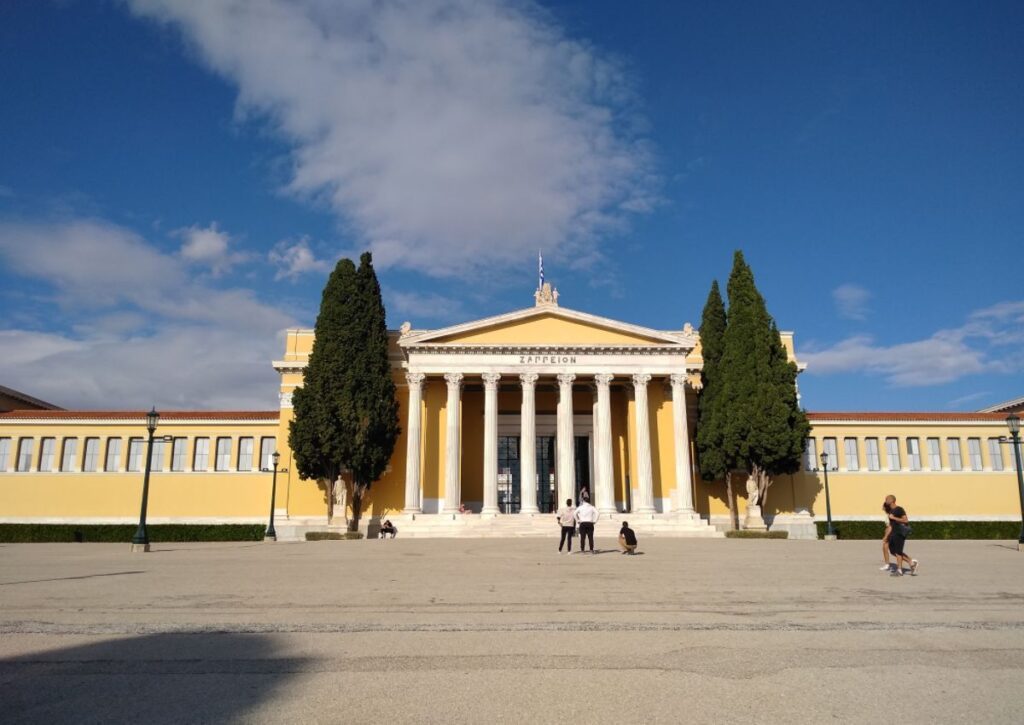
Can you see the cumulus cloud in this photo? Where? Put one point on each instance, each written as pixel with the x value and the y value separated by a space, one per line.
pixel 209 246
pixel 140 329
pixel 990 341
pixel 851 301
pixel 294 259
pixel 452 136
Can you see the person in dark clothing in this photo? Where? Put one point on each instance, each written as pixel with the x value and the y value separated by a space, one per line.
pixel 627 539
pixel 898 537
pixel 388 528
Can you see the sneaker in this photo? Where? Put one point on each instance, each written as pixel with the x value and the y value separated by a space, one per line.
pixel 913 567
pixel 885 567
pixel 896 572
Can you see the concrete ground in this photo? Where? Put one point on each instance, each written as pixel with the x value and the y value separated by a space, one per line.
pixel 508 631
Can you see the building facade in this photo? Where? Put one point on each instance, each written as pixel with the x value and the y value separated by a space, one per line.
pixel 502 419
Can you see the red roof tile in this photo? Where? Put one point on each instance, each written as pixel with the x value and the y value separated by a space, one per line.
pixel 907 416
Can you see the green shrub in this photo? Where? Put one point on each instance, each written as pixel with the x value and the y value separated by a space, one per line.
pixel 752 534
pixel 926 529
pixel 332 535
pixel 123 533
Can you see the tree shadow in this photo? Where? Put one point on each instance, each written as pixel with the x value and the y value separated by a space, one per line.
pixel 171 677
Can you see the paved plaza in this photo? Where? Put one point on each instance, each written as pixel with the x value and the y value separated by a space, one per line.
pixel 509 631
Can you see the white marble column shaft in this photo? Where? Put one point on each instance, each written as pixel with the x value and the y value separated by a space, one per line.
pixel 605 488
pixel 452 447
pixel 644 499
pixel 566 441
pixel 528 445
pixel 412 450
pixel 490 443
pixel 680 427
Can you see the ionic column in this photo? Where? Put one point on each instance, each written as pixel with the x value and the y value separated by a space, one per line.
pixel 566 442
pixel 644 476
pixel 490 443
pixel 412 451
pixel 605 489
pixel 452 489
pixel 684 467
pixel 528 446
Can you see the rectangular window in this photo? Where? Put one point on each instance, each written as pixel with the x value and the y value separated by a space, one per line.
pixel 92 455
pixel 995 453
pixel 157 464
pixel 135 454
pixel 850 449
pixel 874 461
pixel 24 454
pixel 953 453
pixel 67 459
pixel 5 453
pixel 245 454
pixel 201 457
pixel 974 453
pixel 46 454
pixel 267 447
pixel 829 444
pixel 223 461
pixel 113 462
pixel 914 454
pixel 934 456
pixel 892 453
pixel 178 454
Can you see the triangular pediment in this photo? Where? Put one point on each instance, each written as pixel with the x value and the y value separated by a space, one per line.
pixel 548 325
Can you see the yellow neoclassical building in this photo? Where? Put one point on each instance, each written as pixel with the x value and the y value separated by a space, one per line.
pixel 502 418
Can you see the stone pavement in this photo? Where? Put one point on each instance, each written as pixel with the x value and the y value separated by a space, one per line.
pixel 453 631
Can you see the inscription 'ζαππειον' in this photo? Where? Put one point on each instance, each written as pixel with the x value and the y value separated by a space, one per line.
pixel 547 359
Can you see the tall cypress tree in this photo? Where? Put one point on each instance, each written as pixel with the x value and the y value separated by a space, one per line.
pixel 373 399
pixel 764 428
pixel 710 456
pixel 323 426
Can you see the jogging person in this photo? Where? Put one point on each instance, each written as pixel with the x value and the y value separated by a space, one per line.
pixel 587 516
pixel 566 518
pixel 887 566
pixel 900 530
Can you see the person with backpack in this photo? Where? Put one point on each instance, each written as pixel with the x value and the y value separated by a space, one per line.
pixel 898 538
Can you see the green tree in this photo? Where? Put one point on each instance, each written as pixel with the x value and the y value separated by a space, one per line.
pixel 345 412
pixel 763 429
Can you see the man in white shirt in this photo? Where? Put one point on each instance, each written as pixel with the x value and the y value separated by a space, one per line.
pixel 566 519
pixel 587 516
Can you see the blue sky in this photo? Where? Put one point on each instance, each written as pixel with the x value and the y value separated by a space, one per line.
pixel 176 180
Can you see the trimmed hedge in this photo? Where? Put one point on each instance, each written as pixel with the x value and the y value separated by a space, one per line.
pixel 123 533
pixel 753 534
pixel 927 529
pixel 333 535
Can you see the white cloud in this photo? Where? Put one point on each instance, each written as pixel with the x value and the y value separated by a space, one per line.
pixel 851 301
pixel 990 341
pixel 209 246
pixel 419 307
pixel 452 136
pixel 141 329
pixel 294 259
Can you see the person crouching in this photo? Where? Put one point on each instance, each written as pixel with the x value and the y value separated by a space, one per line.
pixel 627 539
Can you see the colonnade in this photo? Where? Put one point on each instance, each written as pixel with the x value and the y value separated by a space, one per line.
pixel 603 490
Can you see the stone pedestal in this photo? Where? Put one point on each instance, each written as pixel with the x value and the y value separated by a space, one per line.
pixel 754 520
pixel 140 548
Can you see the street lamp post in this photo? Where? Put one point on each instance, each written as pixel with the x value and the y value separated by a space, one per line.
pixel 1013 423
pixel 140 542
pixel 830 534
pixel 271 534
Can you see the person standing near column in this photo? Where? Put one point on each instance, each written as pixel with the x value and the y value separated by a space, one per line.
pixel 566 519
pixel 587 516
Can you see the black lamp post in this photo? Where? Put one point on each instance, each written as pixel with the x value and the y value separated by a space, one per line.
pixel 140 542
pixel 271 534
pixel 830 533
pixel 1013 423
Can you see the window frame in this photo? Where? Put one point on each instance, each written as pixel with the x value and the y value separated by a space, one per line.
pixel 241 464
pixel 892 447
pixel 24 454
pixel 914 461
pixel 139 443
pixel 936 454
pixel 995 455
pixel 954 453
pixel 833 454
pixel 201 447
pixel 849 458
pixel 222 459
pixel 975 458
pixel 92 442
pixel 179 454
pixel 68 456
pixel 113 448
pixel 873 454
pixel 46 458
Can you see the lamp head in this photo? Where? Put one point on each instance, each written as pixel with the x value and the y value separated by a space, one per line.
pixel 152 418
pixel 1013 423
pixel 277 457
pixel 824 459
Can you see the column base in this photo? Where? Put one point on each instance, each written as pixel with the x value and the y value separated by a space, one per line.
pixel 412 512
pixel 529 511
pixel 829 537
pixel 490 513
pixel 139 548
pixel 270 538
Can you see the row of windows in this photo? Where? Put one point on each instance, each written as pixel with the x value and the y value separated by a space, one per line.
pixel 909 456
pixel 88 459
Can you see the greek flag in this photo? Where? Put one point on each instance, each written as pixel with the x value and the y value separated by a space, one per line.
pixel 540 270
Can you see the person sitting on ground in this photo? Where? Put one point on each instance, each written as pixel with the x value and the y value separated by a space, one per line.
pixel 388 528
pixel 627 539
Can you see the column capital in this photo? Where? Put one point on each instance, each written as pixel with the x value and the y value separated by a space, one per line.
pixel 415 378
pixel 603 380
pixel 566 378
pixel 491 380
pixel 528 379
pixel 640 380
pixel 454 380
pixel 678 379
